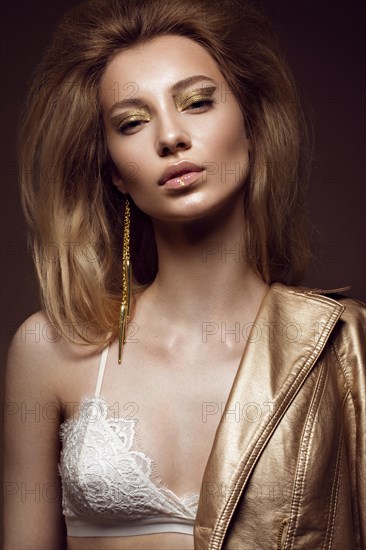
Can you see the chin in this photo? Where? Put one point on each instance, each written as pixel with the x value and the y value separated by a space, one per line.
pixel 194 216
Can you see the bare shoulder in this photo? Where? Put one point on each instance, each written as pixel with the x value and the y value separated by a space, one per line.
pixel 42 361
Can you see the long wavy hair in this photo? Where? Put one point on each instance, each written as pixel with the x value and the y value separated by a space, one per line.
pixel 74 211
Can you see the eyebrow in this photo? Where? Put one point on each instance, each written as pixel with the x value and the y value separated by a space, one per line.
pixel 175 88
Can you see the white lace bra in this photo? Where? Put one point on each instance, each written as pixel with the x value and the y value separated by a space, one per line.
pixel 107 485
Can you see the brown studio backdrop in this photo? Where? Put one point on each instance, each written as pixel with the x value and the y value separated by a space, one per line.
pixel 324 43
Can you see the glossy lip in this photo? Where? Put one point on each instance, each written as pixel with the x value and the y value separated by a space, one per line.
pixel 182 182
pixel 178 169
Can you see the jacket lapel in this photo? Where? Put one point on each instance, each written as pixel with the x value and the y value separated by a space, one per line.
pixel 287 337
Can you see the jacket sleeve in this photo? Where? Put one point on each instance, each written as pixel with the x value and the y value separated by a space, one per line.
pixel 350 347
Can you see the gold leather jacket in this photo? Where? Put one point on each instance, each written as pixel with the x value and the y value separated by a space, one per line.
pixel 287 469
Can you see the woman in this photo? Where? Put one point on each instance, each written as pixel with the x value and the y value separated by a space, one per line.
pixel 168 136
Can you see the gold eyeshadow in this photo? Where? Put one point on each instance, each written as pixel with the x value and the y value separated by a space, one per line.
pixel 182 101
pixel 185 99
pixel 131 116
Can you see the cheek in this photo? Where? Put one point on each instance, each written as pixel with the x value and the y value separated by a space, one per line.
pixel 125 160
pixel 228 148
pixel 235 133
pixel 227 136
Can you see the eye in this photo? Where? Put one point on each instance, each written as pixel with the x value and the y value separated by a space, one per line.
pixel 201 103
pixel 128 126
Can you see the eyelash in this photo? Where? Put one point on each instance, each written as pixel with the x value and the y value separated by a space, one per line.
pixel 135 123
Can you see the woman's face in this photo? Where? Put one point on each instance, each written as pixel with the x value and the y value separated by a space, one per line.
pixel 163 103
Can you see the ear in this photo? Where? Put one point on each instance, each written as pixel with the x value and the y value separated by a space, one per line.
pixel 117 180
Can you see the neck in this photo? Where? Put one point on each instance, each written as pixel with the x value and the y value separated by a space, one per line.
pixel 203 270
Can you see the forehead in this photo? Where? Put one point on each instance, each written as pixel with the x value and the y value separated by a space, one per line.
pixel 155 66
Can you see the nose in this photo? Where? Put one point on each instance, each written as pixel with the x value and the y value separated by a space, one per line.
pixel 173 136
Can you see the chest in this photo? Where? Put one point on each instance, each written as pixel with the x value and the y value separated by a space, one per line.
pixel 177 409
pixel 174 403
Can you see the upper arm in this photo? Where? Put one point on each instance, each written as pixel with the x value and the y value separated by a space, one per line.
pixel 32 488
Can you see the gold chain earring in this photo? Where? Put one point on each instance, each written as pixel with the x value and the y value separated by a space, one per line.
pixel 126 280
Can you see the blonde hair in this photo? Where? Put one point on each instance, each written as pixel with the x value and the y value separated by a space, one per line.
pixel 74 211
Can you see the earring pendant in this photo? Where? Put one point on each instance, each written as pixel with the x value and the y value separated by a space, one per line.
pixel 126 282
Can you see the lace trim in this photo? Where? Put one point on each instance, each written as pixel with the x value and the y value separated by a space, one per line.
pixel 102 474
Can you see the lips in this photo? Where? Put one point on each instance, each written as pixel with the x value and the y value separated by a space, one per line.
pixel 177 170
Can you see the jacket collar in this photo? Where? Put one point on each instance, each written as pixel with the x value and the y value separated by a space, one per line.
pixel 291 329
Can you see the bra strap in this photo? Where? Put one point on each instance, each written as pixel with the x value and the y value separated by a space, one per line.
pixel 103 360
